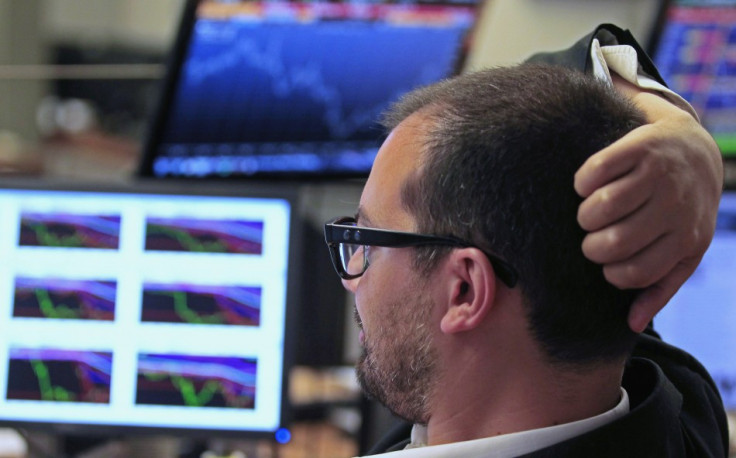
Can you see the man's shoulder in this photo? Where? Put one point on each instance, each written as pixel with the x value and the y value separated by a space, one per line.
pixel 675 410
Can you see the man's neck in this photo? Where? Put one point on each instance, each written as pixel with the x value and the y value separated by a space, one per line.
pixel 523 395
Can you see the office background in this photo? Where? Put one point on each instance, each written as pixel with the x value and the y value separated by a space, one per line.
pixel 79 82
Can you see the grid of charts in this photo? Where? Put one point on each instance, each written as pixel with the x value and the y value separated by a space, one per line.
pixel 151 309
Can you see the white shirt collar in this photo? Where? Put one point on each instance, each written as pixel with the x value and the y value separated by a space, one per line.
pixel 509 445
pixel 623 60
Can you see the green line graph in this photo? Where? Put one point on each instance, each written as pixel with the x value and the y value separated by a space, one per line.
pixel 181 307
pixel 201 304
pixel 196 381
pixel 63 298
pixel 51 310
pixel 176 307
pixel 48 391
pixel 187 241
pixel 48 238
pixel 65 230
pixel 187 389
pixel 59 375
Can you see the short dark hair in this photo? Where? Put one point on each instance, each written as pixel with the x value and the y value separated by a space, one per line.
pixel 501 150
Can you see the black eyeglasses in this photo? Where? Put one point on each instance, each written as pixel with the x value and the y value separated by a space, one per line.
pixel 345 239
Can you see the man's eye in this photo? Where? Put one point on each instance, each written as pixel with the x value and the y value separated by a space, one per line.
pixel 367 255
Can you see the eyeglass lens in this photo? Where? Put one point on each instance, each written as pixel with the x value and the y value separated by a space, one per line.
pixel 352 261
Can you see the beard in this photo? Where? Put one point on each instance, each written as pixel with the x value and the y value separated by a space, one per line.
pixel 398 364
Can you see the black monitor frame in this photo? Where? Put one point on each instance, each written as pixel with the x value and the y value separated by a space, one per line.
pixel 168 88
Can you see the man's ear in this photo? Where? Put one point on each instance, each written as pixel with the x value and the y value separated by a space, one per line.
pixel 471 290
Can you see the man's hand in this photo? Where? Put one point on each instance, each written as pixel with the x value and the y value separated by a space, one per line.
pixel 651 201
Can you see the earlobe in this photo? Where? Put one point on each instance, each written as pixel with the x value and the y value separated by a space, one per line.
pixel 471 290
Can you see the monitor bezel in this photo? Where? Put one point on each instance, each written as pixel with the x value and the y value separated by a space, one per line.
pixel 167 89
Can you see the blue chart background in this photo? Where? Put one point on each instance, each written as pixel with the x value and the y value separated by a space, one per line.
pixel 255 82
pixel 701 318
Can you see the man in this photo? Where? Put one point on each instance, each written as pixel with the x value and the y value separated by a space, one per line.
pixel 494 334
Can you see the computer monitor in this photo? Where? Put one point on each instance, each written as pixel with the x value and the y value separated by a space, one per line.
pixel 288 89
pixel 701 318
pixel 156 307
pixel 695 55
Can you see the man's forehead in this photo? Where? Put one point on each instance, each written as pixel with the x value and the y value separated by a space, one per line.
pixel 396 162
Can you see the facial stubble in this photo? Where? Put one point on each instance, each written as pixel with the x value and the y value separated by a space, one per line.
pixel 398 364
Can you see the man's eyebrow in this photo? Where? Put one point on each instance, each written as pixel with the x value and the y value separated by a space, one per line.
pixel 361 218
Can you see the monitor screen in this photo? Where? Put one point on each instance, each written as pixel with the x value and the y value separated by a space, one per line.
pixel 155 309
pixel 696 55
pixel 295 89
pixel 701 318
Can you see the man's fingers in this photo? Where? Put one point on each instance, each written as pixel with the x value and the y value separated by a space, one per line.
pixel 647 266
pixel 652 299
pixel 615 201
pixel 612 162
pixel 623 241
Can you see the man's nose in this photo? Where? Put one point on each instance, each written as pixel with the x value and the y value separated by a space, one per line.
pixel 354 265
pixel 351 285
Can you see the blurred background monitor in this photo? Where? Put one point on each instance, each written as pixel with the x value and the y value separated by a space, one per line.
pixel 294 89
pixel 701 318
pixel 149 308
pixel 696 55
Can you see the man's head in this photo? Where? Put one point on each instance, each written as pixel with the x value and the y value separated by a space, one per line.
pixel 489 158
